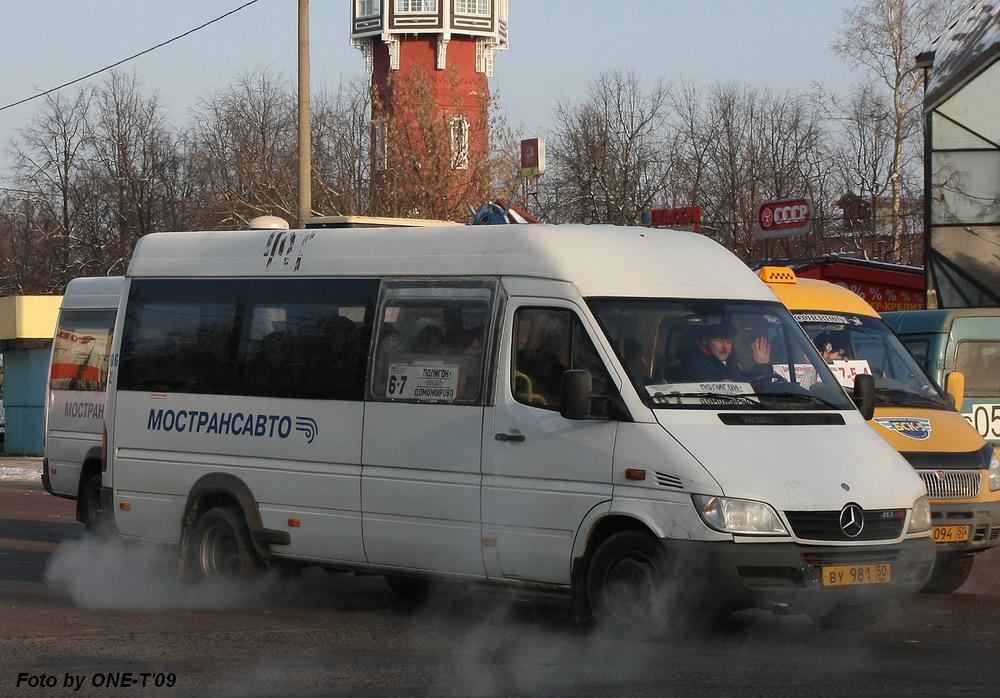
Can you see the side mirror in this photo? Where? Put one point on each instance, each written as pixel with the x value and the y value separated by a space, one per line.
pixel 954 385
pixel 864 395
pixel 576 387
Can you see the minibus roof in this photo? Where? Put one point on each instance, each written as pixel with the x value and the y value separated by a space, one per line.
pixel 933 321
pixel 816 294
pixel 93 292
pixel 599 260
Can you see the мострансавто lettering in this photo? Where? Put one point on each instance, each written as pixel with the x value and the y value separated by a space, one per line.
pixel 84 410
pixel 228 423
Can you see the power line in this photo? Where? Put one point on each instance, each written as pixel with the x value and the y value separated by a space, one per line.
pixel 125 60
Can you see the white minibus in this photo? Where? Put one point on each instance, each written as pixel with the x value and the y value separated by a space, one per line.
pixel 566 408
pixel 78 375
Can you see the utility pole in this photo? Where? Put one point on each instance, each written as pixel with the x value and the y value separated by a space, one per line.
pixel 305 119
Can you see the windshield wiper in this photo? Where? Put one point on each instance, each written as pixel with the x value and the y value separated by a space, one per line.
pixel 803 396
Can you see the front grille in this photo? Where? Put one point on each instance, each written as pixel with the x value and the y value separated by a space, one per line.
pixel 952 484
pixel 881 524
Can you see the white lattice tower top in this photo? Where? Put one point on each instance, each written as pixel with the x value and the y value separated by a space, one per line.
pixel 388 21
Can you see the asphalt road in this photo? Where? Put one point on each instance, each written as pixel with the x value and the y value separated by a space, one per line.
pixel 76 609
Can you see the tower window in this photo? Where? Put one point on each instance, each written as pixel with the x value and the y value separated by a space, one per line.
pixel 367 8
pixel 416 6
pixel 459 143
pixel 472 7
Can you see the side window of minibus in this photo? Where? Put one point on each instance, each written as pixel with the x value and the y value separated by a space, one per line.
pixel 980 362
pixel 548 341
pixel 919 349
pixel 80 350
pixel 306 338
pixel 178 336
pixel 431 343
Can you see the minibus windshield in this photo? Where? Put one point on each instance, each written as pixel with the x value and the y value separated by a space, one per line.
pixel 696 353
pixel 852 344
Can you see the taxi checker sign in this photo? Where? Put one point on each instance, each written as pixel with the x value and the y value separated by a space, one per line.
pixel 784 218
pixel 913 427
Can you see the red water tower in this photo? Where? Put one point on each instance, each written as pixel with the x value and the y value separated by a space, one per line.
pixel 430 52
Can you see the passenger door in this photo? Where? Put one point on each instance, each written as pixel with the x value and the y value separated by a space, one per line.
pixel 424 425
pixel 542 473
pixel 78 377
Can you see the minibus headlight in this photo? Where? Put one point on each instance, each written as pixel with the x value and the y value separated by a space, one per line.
pixel 741 516
pixel 994 472
pixel 920 517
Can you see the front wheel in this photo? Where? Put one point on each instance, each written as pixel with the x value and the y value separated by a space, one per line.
pixel 949 574
pixel 627 583
pixel 220 547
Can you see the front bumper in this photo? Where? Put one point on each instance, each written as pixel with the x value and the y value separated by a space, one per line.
pixel 983 517
pixel 788 576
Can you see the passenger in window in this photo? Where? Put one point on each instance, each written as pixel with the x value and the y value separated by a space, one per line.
pixel 544 367
pixel 830 346
pixel 429 339
pixel 474 341
pixel 637 361
pixel 712 357
pixel 267 370
pixel 344 371
pixel 470 370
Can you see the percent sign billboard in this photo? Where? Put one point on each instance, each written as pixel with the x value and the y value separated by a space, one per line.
pixel 784 218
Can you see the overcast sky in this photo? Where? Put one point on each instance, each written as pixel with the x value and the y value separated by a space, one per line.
pixel 556 46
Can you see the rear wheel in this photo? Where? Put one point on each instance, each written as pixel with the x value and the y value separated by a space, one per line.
pixel 627 583
pixel 89 502
pixel 220 547
pixel 949 574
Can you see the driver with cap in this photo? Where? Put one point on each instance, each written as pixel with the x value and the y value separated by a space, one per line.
pixel 712 357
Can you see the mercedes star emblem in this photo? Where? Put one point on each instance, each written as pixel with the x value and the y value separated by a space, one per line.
pixel 852 520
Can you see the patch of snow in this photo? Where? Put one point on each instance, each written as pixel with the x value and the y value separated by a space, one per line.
pixel 15 472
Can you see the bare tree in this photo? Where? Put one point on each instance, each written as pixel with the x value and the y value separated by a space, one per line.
pixel 47 165
pixel 27 253
pixel 132 158
pixel 608 152
pixel 341 156
pixel 245 147
pixel 884 36
pixel 694 133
